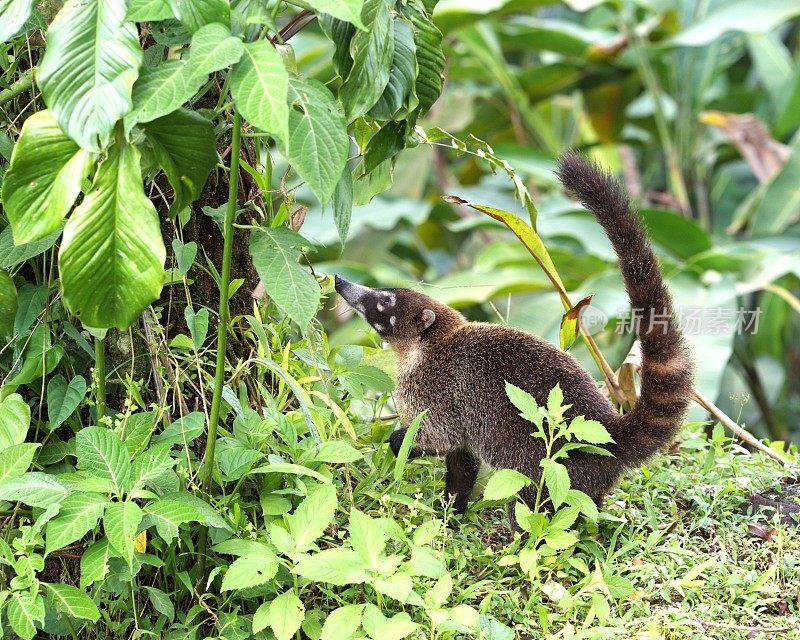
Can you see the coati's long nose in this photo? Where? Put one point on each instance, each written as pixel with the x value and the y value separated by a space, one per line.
pixel 350 291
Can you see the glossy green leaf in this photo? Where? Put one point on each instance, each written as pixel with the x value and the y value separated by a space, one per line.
pixel 372 52
pixel 399 97
pixel 34 489
pixel 347 10
pixel 8 304
pixel 63 398
pixel 342 623
pixel 505 483
pixel 73 602
pixel 23 611
pixel 94 562
pixel 275 252
pixel 556 479
pixel 198 13
pixel 148 10
pixel 338 566
pixel 182 431
pixel 101 452
pixel 120 522
pixel 90 64
pixel 12 255
pixel 250 571
pixel 379 627
pixel 15 418
pixel 214 48
pixel 260 84
pixel 429 56
pixel 385 144
pixel 168 515
pixel 13 15
pixel 112 256
pixel 161 602
pixel 43 179
pixel 367 537
pixel 79 514
pixel 162 89
pixel 15 460
pixel 286 614
pixel 184 144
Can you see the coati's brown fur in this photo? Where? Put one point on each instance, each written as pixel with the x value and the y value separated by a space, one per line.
pixel 457 370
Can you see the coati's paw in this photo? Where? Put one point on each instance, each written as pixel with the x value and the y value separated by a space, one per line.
pixel 396 441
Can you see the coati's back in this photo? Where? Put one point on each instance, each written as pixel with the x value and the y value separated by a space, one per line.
pixel 457 370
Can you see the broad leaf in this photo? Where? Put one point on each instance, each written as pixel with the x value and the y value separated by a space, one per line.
pixel 15 460
pixel 214 48
pixel 182 431
pixel 286 614
pixel 583 502
pixel 372 52
pixel 505 483
pixel 168 515
pixel 161 602
pixel 556 479
pixel 260 85
pixel 312 517
pixel 43 179
pixel 379 627
pixel 197 323
pixel 249 571
pixel 198 13
pixel 589 431
pixel 8 304
pixel 162 89
pixel 23 611
pixel 151 464
pixel 337 566
pixel 101 452
pixel 399 97
pixel 94 562
pixel 13 15
pixel 148 10
pixel 12 255
pixel 525 402
pixel 318 143
pixel 343 203
pixel 120 522
pixel 347 10
pixel 73 602
pixel 90 64
pixel 337 452
pixel 34 489
pixel 183 142
pixel 112 256
pixel 342 623
pixel 275 252
pixel 15 418
pixel 63 398
pixel 430 58
pixel 79 514
pixel 368 537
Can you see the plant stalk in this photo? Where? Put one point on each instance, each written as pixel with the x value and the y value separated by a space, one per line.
pixel 100 373
pixel 19 87
pixel 222 328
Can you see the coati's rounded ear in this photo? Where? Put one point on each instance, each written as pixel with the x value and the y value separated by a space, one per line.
pixel 428 318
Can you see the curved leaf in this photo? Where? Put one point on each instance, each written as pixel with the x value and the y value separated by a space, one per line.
pixel 77 516
pixel 88 69
pixel 286 614
pixel 148 10
pixel 430 57
pixel 214 48
pixel 15 418
pixel 23 611
pixel 399 97
pixel 112 257
pixel 260 84
pixel 168 515
pixel 347 10
pixel 43 179
pixel 12 255
pixel 120 523
pixel 73 602
pixel 13 14
pixel 194 14
pixel 101 452
pixel 8 304
pixel 15 460
pixel 183 142
pixel 162 89
pixel 63 398
pixel 318 142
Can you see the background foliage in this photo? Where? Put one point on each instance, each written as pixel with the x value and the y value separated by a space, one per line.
pixel 161 161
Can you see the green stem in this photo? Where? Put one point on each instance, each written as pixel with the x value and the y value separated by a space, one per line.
pixel 100 373
pixel 19 87
pixel 222 329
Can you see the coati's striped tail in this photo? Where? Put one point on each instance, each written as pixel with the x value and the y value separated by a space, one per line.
pixel 667 370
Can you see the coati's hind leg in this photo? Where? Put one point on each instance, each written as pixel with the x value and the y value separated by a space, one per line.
pixel 396 441
pixel 462 470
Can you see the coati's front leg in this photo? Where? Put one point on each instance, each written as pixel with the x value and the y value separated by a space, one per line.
pixel 462 471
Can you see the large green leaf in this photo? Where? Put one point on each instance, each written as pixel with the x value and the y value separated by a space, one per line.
pixel 162 89
pixel 504 483
pixel 15 418
pixel 312 517
pixel 275 252
pixel 101 452
pixel 13 14
pixel 43 179
pixel 338 566
pixel 23 611
pixel 372 52
pixel 63 398
pixel 214 48
pixel 120 522
pixel 112 257
pixel 94 562
pixel 343 203
pixel 429 55
pixel 79 514
pixel 34 489
pixel 556 479
pixel 399 97
pixel 88 69
pixel 250 571
pixel 168 515
pixel 342 623
pixel 749 16
pixel 183 142
pixel 286 614
pixel 73 602
pixel 148 10
pixel 347 10
pixel 318 142
pixel 197 13
pixel 15 460
pixel 260 84
pixel 8 304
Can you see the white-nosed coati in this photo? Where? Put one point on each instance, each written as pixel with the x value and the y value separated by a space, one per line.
pixel 457 370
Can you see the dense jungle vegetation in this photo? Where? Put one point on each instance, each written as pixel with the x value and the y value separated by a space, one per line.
pixel 193 429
